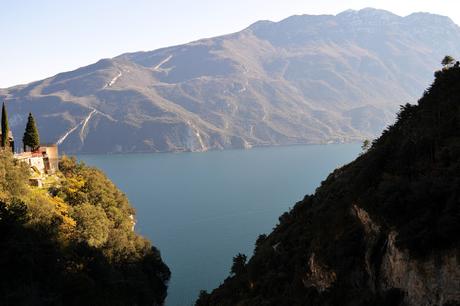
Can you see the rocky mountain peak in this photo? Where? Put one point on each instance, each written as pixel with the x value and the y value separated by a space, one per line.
pixel 305 79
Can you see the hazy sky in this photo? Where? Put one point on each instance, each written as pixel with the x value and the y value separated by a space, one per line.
pixel 39 38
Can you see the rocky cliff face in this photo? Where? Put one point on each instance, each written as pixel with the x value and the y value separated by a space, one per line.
pixel 382 230
pixel 305 79
pixel 434 280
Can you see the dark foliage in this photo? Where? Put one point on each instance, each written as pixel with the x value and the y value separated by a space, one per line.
pixel 37 270
pixel 5 127
pixel 239 264
pixel 54 251
pixel 31 137
pixel 408 181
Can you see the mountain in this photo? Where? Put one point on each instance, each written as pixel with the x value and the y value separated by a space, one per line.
pixel 382 230
pixel 305 79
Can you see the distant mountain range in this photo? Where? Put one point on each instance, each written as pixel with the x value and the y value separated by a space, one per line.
pixel 305 79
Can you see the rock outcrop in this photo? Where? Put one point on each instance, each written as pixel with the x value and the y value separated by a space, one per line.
pixel 431 281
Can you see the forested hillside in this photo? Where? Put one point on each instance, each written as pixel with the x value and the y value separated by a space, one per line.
pixel 382 230
pixel 72 243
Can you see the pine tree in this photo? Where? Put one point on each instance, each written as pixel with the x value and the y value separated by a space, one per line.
pixel 447 61
pixel 31 138
pixel 5 127
pixel 239 264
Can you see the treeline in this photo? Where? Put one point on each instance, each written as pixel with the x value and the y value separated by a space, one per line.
pixel 73 244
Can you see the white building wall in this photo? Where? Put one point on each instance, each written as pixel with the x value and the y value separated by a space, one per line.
pixel 38 163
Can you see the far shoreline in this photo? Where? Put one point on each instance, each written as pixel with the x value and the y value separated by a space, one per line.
pixel 256 147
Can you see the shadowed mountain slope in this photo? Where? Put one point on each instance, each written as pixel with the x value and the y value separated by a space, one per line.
pixel 382 230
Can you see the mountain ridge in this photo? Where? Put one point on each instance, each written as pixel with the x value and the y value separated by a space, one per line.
pixel 305 79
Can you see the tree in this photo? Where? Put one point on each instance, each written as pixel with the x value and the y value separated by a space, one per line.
pixel 366 145
pixel 5 127
pixel 239 264
pixel 14 176
pixel 447 61
pixel 92 224
pixel 31 137
pixel 203 298
pixel 260 240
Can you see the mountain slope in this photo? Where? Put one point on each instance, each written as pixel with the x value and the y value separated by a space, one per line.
pixel 382 230
pixel 72 243
pixel 305 79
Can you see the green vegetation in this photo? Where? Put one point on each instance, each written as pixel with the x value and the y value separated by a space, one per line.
pixel 5 127
pixel 73 244
pixel 366 145
pixel 31 137
pixel 239 264
pixel 447 61
pixel 407 182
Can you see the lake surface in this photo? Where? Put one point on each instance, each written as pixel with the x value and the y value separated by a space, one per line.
pixel 201 209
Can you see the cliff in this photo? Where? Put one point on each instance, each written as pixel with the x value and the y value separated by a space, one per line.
pixel 382 230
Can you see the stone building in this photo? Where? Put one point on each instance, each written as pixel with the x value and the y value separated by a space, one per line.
pixel 44 160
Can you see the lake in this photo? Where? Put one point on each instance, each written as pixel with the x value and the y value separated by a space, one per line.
pixel 201 209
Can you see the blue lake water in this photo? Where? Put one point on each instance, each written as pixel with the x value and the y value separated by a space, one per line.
pixel 201 209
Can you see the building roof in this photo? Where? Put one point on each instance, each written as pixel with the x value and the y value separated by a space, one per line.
pixel 25 155
pixel 51 145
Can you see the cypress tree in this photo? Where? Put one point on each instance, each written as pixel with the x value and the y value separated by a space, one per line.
pixel 31 138
pixel 5 127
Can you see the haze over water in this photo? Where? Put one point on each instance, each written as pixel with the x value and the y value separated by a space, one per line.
pixel 201 209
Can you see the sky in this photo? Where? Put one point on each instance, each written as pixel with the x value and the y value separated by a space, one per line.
pixel 40 38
